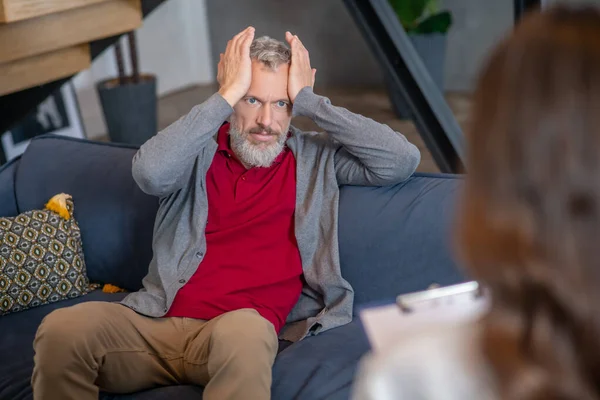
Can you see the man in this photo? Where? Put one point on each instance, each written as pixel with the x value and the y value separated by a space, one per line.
pixel 245 240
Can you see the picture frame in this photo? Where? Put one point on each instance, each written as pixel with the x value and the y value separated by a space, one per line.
pixel 58 114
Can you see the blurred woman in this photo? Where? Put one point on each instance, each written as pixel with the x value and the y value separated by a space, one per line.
pixel 529 230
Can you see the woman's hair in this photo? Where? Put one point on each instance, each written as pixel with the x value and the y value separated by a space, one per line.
pixel 530 223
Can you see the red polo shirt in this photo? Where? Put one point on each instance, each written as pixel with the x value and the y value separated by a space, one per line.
pixel 252 258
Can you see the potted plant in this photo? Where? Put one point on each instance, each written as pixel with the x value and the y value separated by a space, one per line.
pixel 129 101
pixel 427 27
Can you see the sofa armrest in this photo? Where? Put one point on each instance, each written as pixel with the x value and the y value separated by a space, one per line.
pixel 398 239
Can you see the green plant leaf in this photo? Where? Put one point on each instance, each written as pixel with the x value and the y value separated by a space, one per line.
pixel 438 23
pixel 409 11
pixel 432 7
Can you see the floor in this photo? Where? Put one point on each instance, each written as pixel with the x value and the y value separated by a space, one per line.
pixel 370 102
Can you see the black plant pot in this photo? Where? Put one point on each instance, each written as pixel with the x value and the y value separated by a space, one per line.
pixel 129 109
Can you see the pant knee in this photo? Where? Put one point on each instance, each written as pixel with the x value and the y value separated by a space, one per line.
pixel 245 332
pixel 64 331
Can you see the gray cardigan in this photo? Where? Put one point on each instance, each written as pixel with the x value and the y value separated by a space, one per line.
pixel 172 165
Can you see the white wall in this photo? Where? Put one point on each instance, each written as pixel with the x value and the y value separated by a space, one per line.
pixel 173 44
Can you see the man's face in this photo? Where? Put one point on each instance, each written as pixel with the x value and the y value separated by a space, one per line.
pixel 261 120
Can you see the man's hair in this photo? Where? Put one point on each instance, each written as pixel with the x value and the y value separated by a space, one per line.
pixel 270 52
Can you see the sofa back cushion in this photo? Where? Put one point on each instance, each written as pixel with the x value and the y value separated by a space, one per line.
pixel 392 239
pixel 397 239
pixel 8 201
pixel 116 218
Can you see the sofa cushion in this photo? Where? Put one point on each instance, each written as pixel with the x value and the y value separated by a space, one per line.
pixel 398 239
pixel 16 350
pixel 41 257
pixel 319 367
pixel 116 218
pixel 322 366
pixel 8 201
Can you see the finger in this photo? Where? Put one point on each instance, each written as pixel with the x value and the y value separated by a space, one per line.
pixel 305 54
pixel 302 55
pixel 220 68
pixel 301 45
pixel 220 72
pixel 228 46
pixel 289 37
pixel 300 49
pixel 294 46
pixel 242 33
pixel 236 39
pixel 244 41
pixel 298 42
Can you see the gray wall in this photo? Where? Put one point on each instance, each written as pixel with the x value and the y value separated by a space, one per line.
pixel 478 25
pixel 337 48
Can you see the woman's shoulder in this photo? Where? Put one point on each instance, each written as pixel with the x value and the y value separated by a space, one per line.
pixel 439 362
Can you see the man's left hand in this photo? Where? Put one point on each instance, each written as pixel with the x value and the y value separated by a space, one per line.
pixel 301 74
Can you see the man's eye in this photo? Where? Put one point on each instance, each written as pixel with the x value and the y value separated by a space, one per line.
pixel 251 100
pixel 281 103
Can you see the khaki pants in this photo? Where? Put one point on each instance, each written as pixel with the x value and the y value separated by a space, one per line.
pixel 96 346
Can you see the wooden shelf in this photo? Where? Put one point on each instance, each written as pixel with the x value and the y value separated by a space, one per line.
pixel 55 31
pixel 17 10
pixel 33 71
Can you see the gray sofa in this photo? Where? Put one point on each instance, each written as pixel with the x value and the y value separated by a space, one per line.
pixel 392 240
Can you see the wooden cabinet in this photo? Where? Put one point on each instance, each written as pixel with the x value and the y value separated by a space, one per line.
pixel 45 40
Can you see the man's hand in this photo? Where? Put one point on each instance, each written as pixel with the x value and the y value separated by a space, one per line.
pixel 301 74
pixel 235 67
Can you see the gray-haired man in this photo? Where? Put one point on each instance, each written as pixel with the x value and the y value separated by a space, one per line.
pixel 245 240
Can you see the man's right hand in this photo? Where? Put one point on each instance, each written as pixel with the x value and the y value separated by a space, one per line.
pixel 235 67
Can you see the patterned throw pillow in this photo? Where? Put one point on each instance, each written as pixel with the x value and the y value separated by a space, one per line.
pixel 41 257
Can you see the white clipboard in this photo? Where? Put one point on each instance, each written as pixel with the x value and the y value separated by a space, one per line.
pixel 455 304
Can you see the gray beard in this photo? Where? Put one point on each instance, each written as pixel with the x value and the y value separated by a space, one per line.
pixel 255 155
